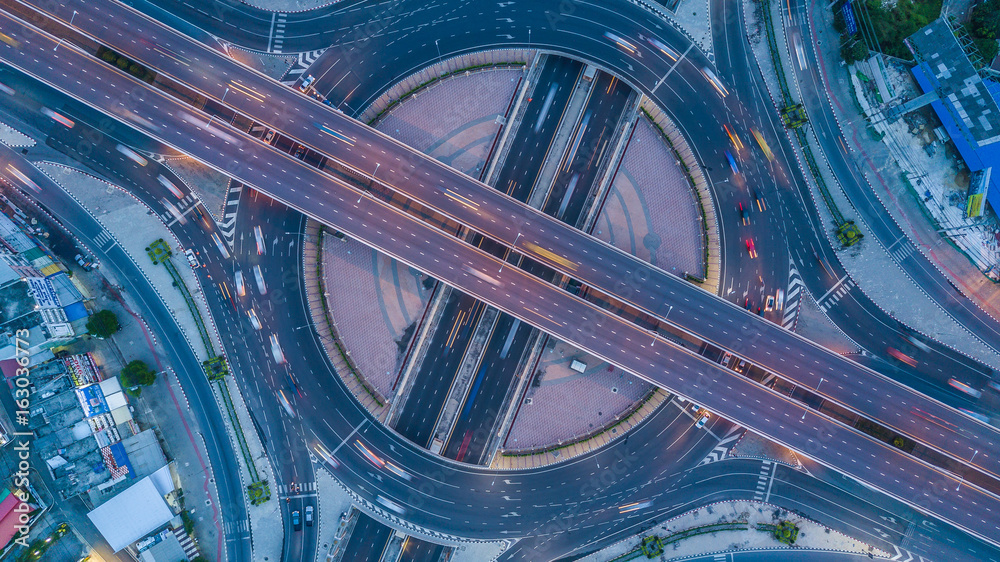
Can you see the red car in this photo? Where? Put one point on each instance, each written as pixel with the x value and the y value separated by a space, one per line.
pixel 751 248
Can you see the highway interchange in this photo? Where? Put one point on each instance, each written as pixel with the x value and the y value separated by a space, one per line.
pixel 315 389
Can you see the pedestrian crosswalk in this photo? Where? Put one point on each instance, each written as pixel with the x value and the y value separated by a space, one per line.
pixel 904 250
pixel 305 488
pixel 763 491
pixel 831 297
pixel 187 543
pixel 721 450
pixel 237 527
pixel 793 298
pixel 104 240
pixel 228 224
pixel 177 212
pixel 278 32
pixel 721 557
pixel 305 61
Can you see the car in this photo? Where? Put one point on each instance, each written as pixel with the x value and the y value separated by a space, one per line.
pixel 732 162
pixel 254 321
pixel 131 155
pixel 10 40
pixel 695 408
pixel 958 385
pixel 769 303
pixel 714 81
pixel 218 244
pixel 622 44
pixel 269 136
pixel 751 248
pixel 658 45
pixel 744 214
pixel 83 262
pixel 390 505
pixel 306 82
pixel 309 515
pixel 241 287
pixel 259 237
pixel 190 255
pixel 286 404
pixel 260 280
pixel 904 358
pixel 169 185
pixel 763 145
pixel 733 138
pixel 296 521
pixel 58 118
pixel 300 152
pixel 704 419
pixel 279 356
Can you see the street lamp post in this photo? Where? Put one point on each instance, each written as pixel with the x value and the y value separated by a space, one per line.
pixel 512 245
pixel 377 164
pixel 970 462
pixel 438 49
pixel 72 18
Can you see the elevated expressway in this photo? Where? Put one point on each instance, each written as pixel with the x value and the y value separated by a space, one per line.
pixel 523 296
pixel 662 296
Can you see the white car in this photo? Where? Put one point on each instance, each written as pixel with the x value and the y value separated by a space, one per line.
pixel 218 244
pixel 131 155
pixel 189 254
pixel 279 356
pixel 254 321
pixel 390 505
pixel 170 186
pixel 260 280
pixel 241 287
pixel 261 247
pixel 704 419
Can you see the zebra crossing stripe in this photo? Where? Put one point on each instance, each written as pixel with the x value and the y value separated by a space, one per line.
pixel 187 543
pixel 721 450
pixel 903 251
pixel 793 297
pixel 305 60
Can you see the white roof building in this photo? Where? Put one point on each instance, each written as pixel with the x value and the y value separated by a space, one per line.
pixel 132 514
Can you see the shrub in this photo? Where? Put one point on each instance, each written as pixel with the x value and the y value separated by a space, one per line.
pixel 103 323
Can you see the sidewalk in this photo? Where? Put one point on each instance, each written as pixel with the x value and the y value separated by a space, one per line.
pixel 122 216
pixel 812 535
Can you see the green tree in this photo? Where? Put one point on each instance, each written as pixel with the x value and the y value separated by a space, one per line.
pixel 853 51
pixel 122 63
pixel 102 324
pixel 985 20
pixel 137 373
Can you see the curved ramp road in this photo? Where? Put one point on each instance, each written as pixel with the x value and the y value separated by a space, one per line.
pixel 514 292
pixel 550 241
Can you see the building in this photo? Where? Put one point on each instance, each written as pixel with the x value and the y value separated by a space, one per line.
pixel 135 512
pixel 966 104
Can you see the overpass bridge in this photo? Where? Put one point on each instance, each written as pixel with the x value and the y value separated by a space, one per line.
pixel 619 341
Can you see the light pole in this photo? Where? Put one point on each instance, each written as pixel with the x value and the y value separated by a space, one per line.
pixel 72 18
pixel 223 100
pixel 377 164
pixel 970 462
pixel 512 246
pixel 438 49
